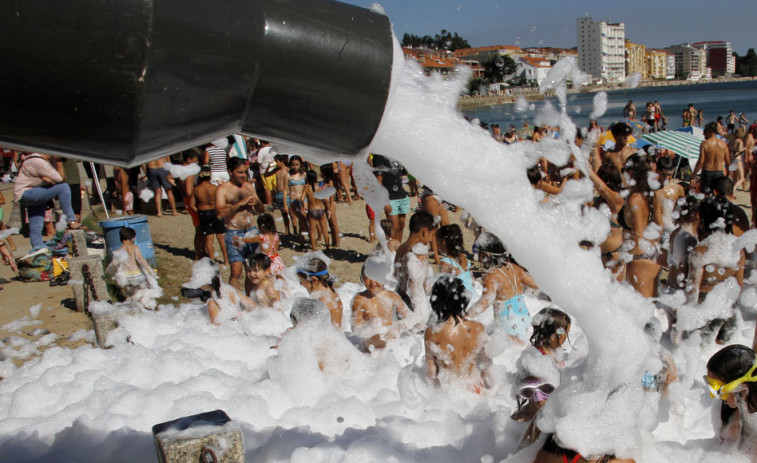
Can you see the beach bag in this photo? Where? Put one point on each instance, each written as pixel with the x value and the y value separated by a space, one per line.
pixel 37 266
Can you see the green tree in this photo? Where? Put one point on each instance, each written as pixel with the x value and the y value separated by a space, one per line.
pixel 444 41
pixel 747 65
pixel 498 68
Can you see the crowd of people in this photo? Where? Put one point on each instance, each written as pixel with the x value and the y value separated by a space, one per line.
pixel 665 225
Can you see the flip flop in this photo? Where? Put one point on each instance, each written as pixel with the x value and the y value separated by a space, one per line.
pixel 79 227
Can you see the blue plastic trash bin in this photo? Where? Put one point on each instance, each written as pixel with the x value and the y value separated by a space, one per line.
pixel 139 224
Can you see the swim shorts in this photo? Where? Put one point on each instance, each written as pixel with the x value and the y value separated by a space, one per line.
pixel 210 224
pixel 158 178
pixel 239 254
pixel 400 206
pixel 278 200
pixel 369 212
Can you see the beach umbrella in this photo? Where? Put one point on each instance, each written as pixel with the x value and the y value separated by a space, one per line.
pixel 696 131
pixel 608 141
pixel 636 125
pixel 683 144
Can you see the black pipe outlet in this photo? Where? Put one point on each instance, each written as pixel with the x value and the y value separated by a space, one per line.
pixel 127 81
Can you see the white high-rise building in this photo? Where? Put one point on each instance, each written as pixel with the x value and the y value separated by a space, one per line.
pixel 601 49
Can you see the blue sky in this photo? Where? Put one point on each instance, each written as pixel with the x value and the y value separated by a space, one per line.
pixel 654 23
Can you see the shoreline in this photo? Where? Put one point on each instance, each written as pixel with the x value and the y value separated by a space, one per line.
pixel 532 93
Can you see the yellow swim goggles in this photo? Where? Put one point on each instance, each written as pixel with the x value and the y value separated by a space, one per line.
pixel 722 391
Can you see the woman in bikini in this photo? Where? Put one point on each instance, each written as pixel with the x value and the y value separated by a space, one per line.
pixel 607 184
pixel 317 214
pixel 503 288
pixel 296 181
pixel 641 236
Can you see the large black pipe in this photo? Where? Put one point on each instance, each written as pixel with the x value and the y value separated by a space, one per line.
pixel 127 81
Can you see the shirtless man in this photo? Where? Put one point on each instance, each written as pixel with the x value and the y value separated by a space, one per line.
pixel 629 110
pixel 157 177
pixel 411 265
pixel 713 159
pixel 202 201
pixel 236 203
pixel 377 310
pixel 619 154
pixel 455 346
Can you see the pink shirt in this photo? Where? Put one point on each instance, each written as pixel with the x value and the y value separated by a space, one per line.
pixel 30 175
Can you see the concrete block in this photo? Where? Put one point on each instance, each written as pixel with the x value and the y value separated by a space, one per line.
pixel 183 440
pixel 87 281
pixel 80 243
pixel 106 320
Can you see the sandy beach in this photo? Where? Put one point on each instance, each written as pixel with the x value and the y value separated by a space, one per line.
pixel 172 240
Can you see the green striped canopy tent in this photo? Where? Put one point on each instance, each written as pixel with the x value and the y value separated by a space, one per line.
pixel 683 144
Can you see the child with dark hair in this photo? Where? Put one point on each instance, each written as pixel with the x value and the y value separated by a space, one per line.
pixel 455 345
pixel 317 213
pixel 268 240
pixel 263 288
pixel 282 189
pixel 313 273
pixel 378 313
pixel 504 284
pixel 708 269
pixel 731 378
pixel 133 274
pixel 449 242
pixel 226 302
pixel 412 268
pixel 327 181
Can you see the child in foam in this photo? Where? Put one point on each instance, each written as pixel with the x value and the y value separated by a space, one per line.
pixel 731 378
pixel 265 286
pixel 539 368
pixel 132 272
pixel 377 313
pixel 504 284
pixel 313 272
pixel 455 346
pixel 268 240
pixel 226 302
pixel 412 270
pixel 449 243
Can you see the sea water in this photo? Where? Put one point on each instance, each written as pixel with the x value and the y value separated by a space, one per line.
pixel 89 404
pixel 716 99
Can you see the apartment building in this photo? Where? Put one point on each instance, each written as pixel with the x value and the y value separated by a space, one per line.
pixel 690 62
pixel 720 57
pixel 636 59
pixel 656 64
pixel 601 49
